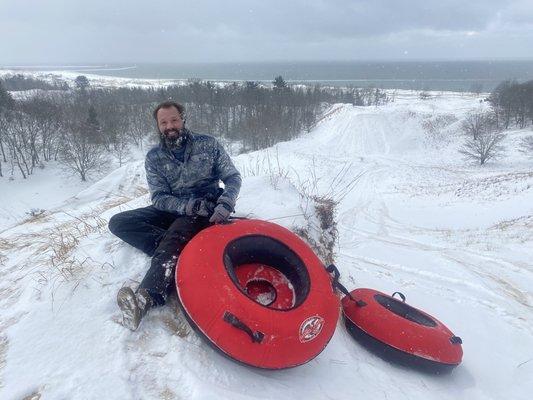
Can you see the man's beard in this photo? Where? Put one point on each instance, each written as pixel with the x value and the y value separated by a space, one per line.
pixel 173 137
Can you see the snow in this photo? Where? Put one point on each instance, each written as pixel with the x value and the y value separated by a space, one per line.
pixel 47 188
pixel 455 238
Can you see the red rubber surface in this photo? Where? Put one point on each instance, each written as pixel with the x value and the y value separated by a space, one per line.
pixel 427 342
pixel 263 283
pixel 292 336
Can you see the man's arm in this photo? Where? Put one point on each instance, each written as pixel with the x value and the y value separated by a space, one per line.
pixel 160 191
pixel 227 172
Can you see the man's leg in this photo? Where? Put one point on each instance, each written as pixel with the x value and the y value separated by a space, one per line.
pixel 143 228
pixel 159 280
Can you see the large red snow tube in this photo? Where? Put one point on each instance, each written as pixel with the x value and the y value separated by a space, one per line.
pixel 401 333
pixel 257 293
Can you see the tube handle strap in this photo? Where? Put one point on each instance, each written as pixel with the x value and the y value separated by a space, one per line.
pixel 332 269
pixel 456 340
pixel 401 295
pixel 257 337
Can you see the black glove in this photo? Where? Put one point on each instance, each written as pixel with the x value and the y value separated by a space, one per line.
pixel 221 213
pixel 199 207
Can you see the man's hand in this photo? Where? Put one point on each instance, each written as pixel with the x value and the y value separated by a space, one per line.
pixel 199 207
pixel 220 214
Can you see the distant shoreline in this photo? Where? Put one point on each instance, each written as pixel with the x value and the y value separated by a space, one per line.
pixel 409 75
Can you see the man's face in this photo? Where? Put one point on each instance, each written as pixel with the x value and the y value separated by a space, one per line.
pixel 169 122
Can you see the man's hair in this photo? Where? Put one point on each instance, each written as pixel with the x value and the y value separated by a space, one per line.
pixel 169 104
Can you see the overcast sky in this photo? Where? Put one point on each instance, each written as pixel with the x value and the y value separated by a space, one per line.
pixel 135 31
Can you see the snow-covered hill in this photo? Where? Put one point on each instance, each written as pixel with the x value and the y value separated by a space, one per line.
pixel 455 238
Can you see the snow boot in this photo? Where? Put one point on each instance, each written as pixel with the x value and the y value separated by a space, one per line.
pixel 134 306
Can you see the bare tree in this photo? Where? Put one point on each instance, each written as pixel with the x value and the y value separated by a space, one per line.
pixel 2 140
pixel 19 134
pixel 120 147
pixel 478 122
pixel 513 103
pixel 139 123
pixel 46 115
pixel 526 145
pixel 487 146
pixel 6 103
pixel 79 152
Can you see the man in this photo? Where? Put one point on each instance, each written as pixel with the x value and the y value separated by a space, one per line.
pixel 183 174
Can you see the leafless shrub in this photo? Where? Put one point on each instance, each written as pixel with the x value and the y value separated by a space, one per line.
pixel 434 126
pixel 276 172
pixel 325 209
pixel 253 168
pixel 267 165
pixel 319 210
pixel 487 146
pixel 89 223
pixel 35 215
pixel 321 232
pixel 526 145
pixel 61 245
pixel 35 212
pixel 338 188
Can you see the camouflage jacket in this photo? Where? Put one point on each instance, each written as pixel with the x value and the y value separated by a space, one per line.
pixel 205 163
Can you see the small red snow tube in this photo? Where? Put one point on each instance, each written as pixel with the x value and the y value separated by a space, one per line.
pixel 400 333
pixel 257 293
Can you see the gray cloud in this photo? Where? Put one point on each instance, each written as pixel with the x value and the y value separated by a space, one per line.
pixel 35 31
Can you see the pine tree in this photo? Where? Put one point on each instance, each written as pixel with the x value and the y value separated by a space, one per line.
pixel 6 101
pixel 92 127
pixel 279 83
pixel 81 82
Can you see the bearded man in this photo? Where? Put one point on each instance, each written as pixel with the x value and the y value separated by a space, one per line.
pixel 184 173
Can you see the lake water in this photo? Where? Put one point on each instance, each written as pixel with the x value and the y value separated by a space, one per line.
pixel 429 75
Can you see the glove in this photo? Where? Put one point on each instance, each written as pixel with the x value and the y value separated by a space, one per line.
pixel 220 214
pixel 199 207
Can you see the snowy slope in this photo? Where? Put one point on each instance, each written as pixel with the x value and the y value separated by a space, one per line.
pixel 456 239
pixel 19 196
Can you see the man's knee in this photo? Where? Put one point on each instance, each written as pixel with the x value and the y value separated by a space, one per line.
pixel 188 227
pixel 116 223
